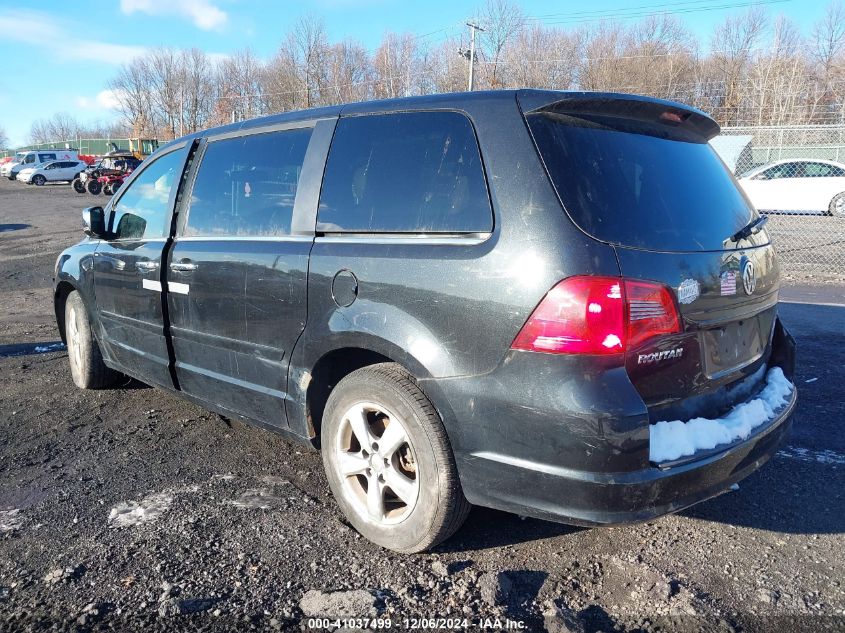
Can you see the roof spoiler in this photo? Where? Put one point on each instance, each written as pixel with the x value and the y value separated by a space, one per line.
pixel 624 106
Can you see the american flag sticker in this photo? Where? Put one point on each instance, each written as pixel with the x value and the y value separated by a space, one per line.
pixel 728 282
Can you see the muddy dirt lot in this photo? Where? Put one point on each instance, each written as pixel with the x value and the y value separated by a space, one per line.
pixel 129 509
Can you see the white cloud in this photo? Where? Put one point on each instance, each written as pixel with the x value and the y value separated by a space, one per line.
pixel 103 100
pixel 202 13
pixel 34 27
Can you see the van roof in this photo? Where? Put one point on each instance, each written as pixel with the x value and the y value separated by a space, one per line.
pixel 529 99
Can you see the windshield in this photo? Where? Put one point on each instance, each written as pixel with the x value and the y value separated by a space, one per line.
pixel 639 188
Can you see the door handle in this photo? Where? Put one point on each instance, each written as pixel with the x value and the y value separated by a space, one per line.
pixel 186 265
pixel 146 266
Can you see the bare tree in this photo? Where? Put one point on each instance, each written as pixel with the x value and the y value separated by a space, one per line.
pixel 734 42
pixel 166 77
pixel 132 87
pixel 502 21
pixel 829 60
pixel 4 138
pixel 348 73
pixel 239 87
pixel 446 66
pixel 59 127
pixel 196 92
pixel 541 57
pixel 754 72
pixel 778 79
pixel 397 64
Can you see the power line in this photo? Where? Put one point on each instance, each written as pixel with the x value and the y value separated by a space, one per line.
pixel 626 14
pixel 610 12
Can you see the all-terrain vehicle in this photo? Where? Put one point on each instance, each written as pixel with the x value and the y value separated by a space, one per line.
pixel 116 163
pixel 110 183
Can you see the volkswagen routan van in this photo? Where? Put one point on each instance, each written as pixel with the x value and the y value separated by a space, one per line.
pixel 555 304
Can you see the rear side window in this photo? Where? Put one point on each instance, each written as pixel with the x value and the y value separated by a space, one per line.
pixel 414 172
pixel 821 170
pixel 640 189
pixel 246 186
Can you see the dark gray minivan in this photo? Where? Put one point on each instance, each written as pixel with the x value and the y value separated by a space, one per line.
pixel 556 304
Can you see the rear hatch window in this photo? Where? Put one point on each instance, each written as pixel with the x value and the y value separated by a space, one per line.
pixel 640 186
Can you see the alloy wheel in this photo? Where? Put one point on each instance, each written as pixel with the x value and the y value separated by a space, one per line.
pixel 74 349
pixel 377 464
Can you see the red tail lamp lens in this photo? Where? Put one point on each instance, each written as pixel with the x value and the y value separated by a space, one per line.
pixel 598 315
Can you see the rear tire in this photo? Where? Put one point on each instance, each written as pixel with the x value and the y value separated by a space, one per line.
pixel 86 361
pixel 837 205
pixel 94 187
pixel 405 494
pixel 107 189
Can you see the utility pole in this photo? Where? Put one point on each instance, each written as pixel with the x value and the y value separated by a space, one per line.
pixel 472 29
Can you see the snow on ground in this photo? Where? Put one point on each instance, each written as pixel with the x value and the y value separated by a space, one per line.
pixel 257 498
pixel 10 520
pixel 673 439
pixel 150 508
pixel 52 347
pixel 826 456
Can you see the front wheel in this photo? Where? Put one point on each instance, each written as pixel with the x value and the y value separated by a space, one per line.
pixel 38 180
pixel 94 187
pixel 78 185
pixel 107 189
pixel 86 361
pixel 389 462
pixel 837 205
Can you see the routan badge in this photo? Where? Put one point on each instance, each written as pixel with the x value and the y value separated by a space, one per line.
pixel 688 291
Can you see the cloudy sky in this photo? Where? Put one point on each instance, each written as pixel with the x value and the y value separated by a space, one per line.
pixel 61 58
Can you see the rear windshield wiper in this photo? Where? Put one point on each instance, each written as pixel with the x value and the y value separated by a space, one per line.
pixel 755 226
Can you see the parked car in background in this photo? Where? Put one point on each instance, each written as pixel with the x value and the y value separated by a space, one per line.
pixel 14 161
pixel 34 158
pixel 797 186
pixel 555 304
pixel 54 171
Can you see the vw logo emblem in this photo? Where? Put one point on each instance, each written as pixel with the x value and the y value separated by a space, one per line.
pixel 749 279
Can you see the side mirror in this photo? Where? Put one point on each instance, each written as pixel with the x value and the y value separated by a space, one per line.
pixel 94 222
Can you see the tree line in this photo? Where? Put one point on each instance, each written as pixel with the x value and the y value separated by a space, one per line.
pixel 756 69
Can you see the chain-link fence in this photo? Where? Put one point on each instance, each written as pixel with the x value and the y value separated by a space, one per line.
pixel 796 176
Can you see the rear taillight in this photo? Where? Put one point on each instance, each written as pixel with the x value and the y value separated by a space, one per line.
pixel 598 315
pixel 651 312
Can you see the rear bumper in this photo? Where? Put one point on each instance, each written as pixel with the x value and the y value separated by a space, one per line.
pixel 586 498
pixel 567 438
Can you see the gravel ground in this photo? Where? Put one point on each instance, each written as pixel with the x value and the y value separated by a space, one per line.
pixel 129 509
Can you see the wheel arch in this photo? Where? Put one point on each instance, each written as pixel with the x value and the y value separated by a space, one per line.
pixel 334 364
pixel 60 295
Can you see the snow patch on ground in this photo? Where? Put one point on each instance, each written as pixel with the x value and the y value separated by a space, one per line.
pixel 674 439
pixel 274 480
pixel 806 455
pixel 54 347
pixel 10 520
pixel 148 509
pixel 257 498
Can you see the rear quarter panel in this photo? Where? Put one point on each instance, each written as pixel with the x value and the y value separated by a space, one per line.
pixel 445 310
